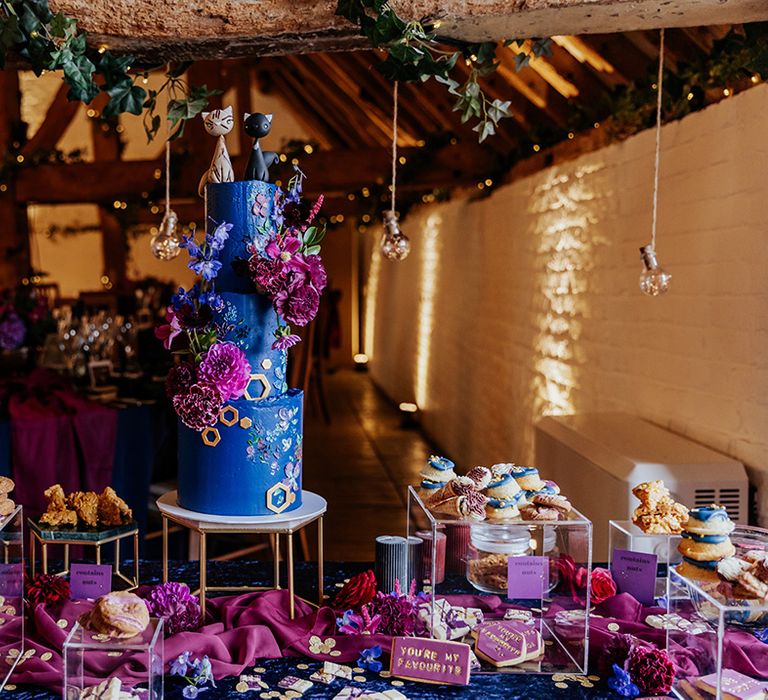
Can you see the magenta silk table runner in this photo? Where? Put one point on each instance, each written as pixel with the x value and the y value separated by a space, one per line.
pixel 242 629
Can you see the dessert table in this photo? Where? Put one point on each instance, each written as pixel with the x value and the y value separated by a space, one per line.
pixel 239 573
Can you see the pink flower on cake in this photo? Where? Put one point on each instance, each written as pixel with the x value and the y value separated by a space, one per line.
pixel 180 378
pixel 170 330
pixel 225 367
pixel 283 250
pixel 199 407
pixel 298 306
pixel 267 274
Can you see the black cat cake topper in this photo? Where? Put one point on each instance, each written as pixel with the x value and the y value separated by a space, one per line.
pixel 258 126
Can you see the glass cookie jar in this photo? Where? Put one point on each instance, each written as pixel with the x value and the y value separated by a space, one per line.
pixel 490 547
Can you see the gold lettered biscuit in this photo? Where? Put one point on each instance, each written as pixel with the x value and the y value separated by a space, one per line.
pixel 6 485
pixel 7 506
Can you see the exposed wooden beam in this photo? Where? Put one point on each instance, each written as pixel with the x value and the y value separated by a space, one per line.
pixel 58 117
pixel 335 173
pixel 628 61
pixel 158 31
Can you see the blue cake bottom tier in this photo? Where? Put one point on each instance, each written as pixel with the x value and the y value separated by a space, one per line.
pixel 249 463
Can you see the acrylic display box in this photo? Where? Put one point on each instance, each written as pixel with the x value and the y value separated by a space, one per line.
pixel 468 558
pixel 12 590
pixel 134 667
pixel 624 534
pixel 718 619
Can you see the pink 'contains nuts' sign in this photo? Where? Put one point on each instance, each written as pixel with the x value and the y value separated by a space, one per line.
pixel 430 660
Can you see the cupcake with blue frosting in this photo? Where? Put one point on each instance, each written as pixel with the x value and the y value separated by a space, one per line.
pixel 504 494
pixel 435 474
pixel 527 478
pixel 705 542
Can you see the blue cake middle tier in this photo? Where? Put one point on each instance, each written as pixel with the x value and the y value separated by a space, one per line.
pixel 260 321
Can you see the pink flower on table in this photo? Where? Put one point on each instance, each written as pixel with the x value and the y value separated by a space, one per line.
pixel 199 407
pixel 225 367
pixel 651 670
pixel 298 305
pixel 167 332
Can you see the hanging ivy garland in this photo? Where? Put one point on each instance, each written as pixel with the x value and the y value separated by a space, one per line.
pixel 416 53
pixel 48 41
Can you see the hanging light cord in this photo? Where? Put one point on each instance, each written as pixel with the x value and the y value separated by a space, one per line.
pixel 167 161
pixel 394 144
pixel 659 85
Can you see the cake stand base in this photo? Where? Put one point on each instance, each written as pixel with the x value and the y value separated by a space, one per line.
pixel 312 510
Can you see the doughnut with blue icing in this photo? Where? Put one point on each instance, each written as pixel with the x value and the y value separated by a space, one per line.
pixel 438 469
pixel 505 488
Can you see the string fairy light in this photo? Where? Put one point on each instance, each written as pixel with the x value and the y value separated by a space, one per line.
pixel 395 245
pixel 654 281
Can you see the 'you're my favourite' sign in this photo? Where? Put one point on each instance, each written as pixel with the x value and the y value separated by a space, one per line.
pixel 430 660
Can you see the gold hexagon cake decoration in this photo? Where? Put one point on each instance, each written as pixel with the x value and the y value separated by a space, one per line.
pixel 229 415
pixel 278 498
pixel 266 387
pixel 211 437
pixel 246 423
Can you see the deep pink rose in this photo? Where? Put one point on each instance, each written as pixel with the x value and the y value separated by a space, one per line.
pixel 268 275
pixel 225 367
pixel 199 407
pixel 602 586
pixel 299 305
pixel 180 378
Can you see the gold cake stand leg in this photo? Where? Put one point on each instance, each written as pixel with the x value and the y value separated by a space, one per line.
pixel 136 559
pixel 66 557
pixel 98 554
pixel 291 592
pixel 277 561
pixel 165 549
pixel 44 556
pixel 320 572
pixel 203 572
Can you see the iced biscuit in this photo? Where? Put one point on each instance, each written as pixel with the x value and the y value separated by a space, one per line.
pixel 438 469
pixel 528 478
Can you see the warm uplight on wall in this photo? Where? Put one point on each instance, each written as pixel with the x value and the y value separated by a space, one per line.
pixel 430 258
pixel 565 212
pixel 371 297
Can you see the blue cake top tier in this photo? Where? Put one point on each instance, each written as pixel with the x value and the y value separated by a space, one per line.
pixel 247 205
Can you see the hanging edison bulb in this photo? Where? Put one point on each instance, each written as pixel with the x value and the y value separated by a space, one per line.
pixel 395 245
pixel 654 281
pixel 165 243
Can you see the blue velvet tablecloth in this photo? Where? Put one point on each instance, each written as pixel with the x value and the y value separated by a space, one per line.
pixel 234 573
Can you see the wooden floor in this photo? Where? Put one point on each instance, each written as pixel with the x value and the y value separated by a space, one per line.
pixel 362 463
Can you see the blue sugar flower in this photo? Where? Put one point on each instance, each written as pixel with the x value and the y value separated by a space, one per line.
pixel 368 659
pixel 205 672
pixel 218 237
pixel 762 634
pixel 207 269
pixel 621 683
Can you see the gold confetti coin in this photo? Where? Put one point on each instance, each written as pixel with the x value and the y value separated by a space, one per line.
pixel 264 695
pixel 385 674
pixel 302 667
pixel 10 687
pixel 13 653
pixel 47 656
pixel 594 678
pixel 561 685
pixel 357 669
pixel 339 585
pixel 359 679
pixel 558 677
pixel 587 684
pixel 292 693
pixel 61 623
pixel 260 669
pixel 242 687
pixel 335 652
pixel 114 653
pixel 397 683
pixel 613 627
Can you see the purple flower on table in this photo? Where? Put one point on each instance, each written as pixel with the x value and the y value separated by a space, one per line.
pixel 167 332
pixel 179 665
pixel 191 691
pixel 199 407
pixel 225 367
pixel 369 659
pixel 353 623
pixel 762 634
pixel 12 332
pixel 622 684
pixel 203 671
pixel 299 305
pixel 177 606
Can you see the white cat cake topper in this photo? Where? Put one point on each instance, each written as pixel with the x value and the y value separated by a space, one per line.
pixel 218 122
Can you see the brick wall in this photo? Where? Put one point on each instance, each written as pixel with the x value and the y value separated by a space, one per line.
pixel 527 303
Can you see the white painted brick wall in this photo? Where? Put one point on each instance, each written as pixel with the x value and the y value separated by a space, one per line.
pixel 516 334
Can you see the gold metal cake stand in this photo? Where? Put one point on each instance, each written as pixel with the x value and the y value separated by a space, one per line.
pixel 312 510
pixel 90 538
